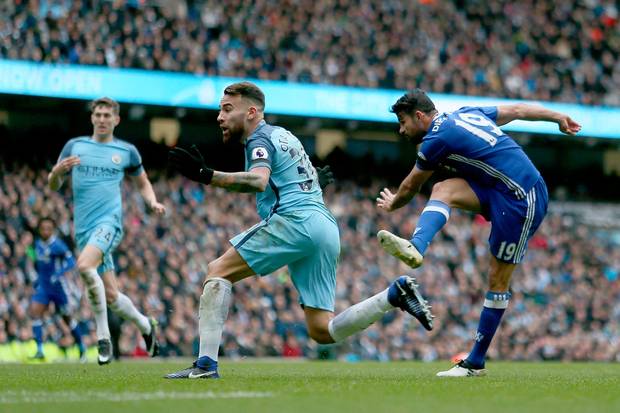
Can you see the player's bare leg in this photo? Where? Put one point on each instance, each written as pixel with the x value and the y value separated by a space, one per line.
pixel 451 193
pixel 495 304
pixel 124 307
pixel 213 311
pixel 88 261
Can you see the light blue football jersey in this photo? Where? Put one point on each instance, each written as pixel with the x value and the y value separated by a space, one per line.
pixel 294 184
pixel 97 180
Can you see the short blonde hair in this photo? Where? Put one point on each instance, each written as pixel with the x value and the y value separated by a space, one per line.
pixel 105 101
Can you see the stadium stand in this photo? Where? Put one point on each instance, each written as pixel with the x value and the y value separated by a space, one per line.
pixel 566 302
pixel 483 48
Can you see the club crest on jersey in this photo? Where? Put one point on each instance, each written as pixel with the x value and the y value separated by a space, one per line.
pixel 116 159
pixel 259 153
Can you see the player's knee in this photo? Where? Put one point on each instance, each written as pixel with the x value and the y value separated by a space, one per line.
pixel 36 311
pixel 111 294
pixel 216 269
pixel 320 334
pixel 442 192
pixel 84 265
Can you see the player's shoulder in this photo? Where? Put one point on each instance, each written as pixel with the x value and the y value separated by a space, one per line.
pixel 123 144
pixel 264 135
pixel 58 244
pixel 440 123
pixel 470 113
pixel 264 131
pixel 77 139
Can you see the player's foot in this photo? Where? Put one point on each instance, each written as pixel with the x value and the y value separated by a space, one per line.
pixel 203 368
pixel 152 345
pixel 400 248
pixel 105 351
pixel 463 369
pixel 83 357
pixel 404 294
pixel 39 356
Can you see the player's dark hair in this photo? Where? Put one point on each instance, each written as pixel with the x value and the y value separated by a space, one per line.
pixel 105 101
pixel 412 101
pixel 247 90
pixel 46 218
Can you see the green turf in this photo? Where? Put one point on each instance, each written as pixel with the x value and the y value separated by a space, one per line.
pixel 310 387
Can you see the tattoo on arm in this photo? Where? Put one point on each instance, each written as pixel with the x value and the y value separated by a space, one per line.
pixel 239 181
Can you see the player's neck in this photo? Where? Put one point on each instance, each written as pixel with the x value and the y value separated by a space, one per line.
pixel 255 124
pixel 103 139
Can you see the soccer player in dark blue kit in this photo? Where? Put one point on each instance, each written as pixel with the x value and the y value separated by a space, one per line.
pixel 53 262
pixel 496 179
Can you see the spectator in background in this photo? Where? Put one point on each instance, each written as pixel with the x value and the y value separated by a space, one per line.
pixel 540 50
pixel 574 262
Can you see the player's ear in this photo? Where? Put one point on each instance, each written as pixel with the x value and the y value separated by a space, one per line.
pixel 252 112
pixel 117 120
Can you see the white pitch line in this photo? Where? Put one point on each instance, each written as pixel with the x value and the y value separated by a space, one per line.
pixel 13 397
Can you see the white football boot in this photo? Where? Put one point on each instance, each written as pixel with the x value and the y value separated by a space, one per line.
pixel 400 248
pixel 462 369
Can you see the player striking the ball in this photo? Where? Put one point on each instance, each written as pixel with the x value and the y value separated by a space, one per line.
pixel 296 230
pixel 498 180
pixel 98 164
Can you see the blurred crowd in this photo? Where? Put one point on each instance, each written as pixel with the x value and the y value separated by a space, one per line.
pixel 532 49
pixel 566 294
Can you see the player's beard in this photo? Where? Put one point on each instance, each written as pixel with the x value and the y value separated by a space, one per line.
pixel 235 134
pixel 415 139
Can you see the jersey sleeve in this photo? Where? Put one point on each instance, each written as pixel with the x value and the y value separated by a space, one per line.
pixel 135 167
pixel 432 152
pixel 488 111
pixel 66 150
pixel 68 261
pixel 260 152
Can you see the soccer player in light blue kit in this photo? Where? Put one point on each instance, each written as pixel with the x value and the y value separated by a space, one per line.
pixel 98 164
pixel 296 230
pixel 497 180
pixel 53 264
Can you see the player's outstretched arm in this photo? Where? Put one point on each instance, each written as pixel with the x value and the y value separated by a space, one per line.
pixel 255 180
pixel 408 188
pixel 192 165
pixel 146 190
pixel 524 111
pixel 56 177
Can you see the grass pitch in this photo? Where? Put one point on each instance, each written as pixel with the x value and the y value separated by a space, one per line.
pixel 310 387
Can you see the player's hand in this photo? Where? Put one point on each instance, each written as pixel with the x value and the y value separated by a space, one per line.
pixel 326 176
pixel 386 200
pixel 63 167
pixel 158 208
pixel 190 164
pixel 569 126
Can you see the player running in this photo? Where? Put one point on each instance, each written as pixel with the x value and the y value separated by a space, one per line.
pixel 296 230
pixel 498 180
pixel 98 164
pixel 53 264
